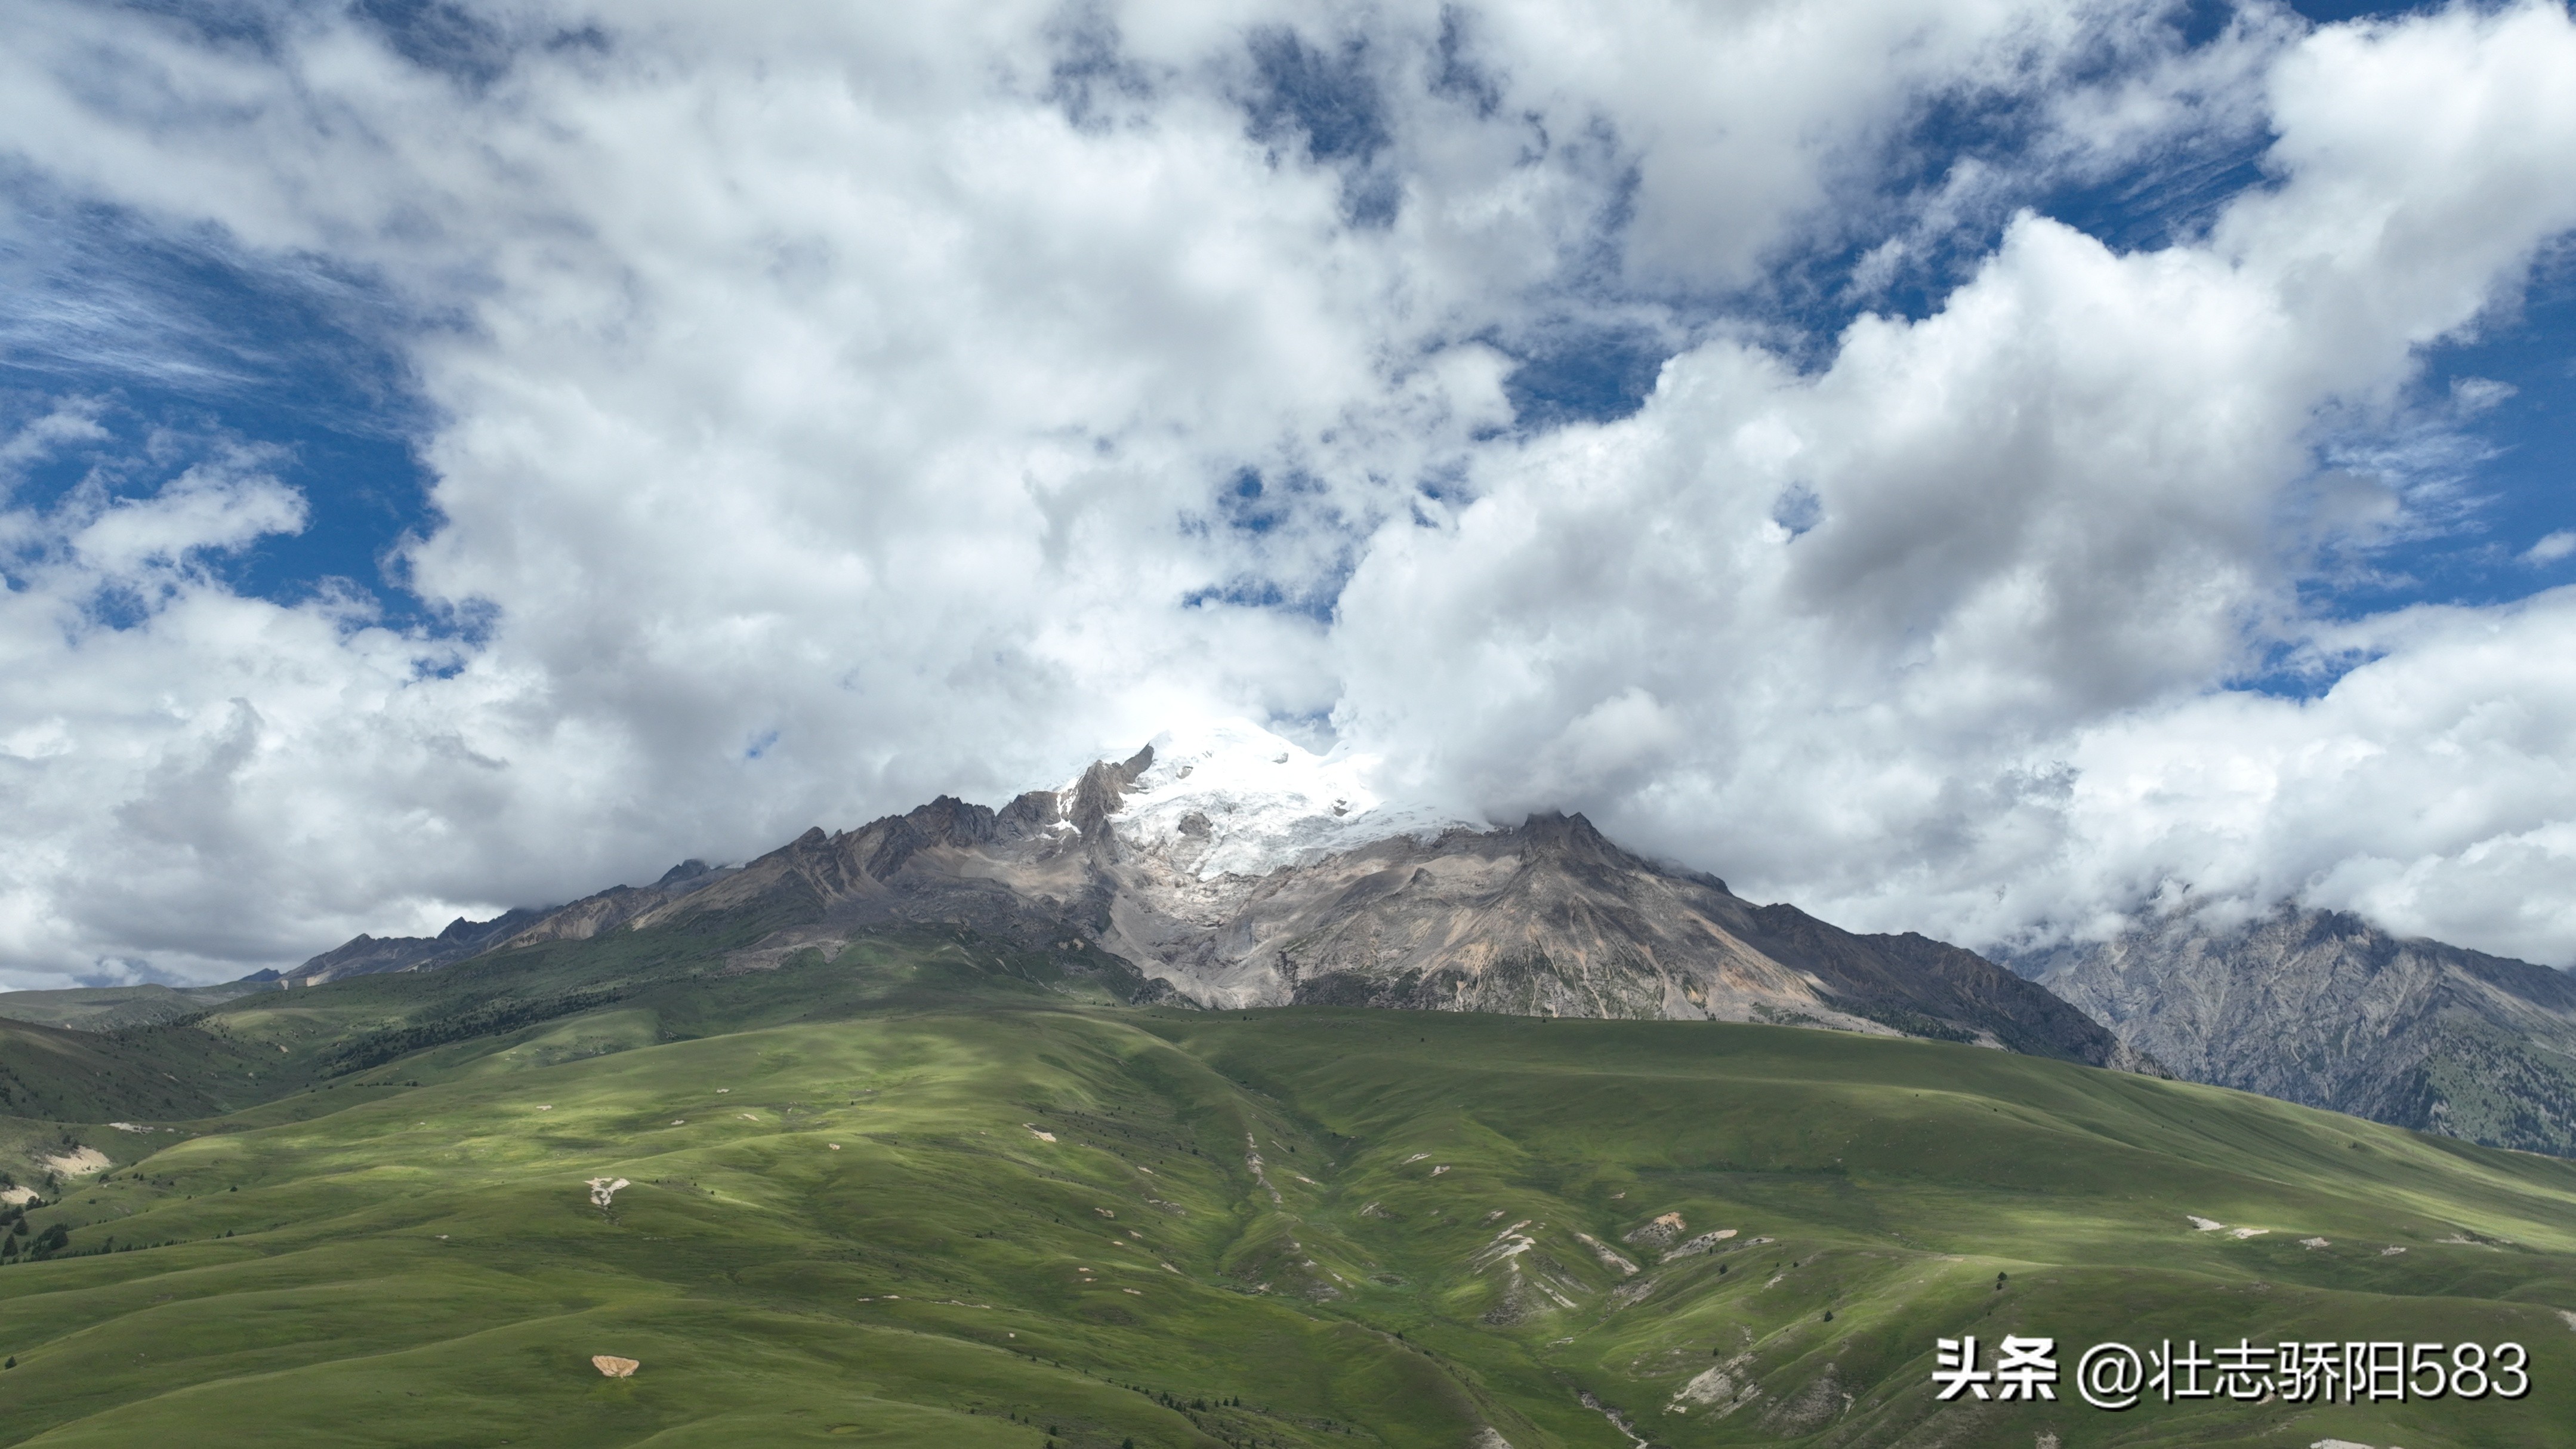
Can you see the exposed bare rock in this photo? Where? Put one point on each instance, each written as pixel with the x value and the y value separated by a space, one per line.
pixel 463 939
pixel 1551 919
pixel 1657 1232
pixel 2322 1008
pixel 367 955
pixel 1240 871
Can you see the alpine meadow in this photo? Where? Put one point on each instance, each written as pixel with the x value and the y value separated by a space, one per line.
pixel 936 1190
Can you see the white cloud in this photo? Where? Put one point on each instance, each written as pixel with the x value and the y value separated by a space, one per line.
pixel 830 419
pixel 2551 547
pixel 2050 518
pixel 2429 789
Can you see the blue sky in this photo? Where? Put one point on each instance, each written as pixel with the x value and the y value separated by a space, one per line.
pixel 183 335
pixel 535 442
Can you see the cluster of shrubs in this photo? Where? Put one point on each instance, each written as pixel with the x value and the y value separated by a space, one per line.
pixel 16 1242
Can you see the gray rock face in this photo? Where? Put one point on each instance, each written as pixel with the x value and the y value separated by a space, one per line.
pixel 1551 919
pixel 367 955
pixel 464 939
pixel 1548 918
pixel 2324 1009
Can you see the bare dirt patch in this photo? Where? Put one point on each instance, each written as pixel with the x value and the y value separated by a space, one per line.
pixel 79 1162
pixel 1658 1233
pixel 1609 1256
pixel 1704 1243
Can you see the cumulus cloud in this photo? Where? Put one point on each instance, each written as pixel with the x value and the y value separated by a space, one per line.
pixel 838 406
pixel 2050 517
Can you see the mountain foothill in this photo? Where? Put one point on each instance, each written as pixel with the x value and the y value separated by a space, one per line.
pixel 1212 1101
pixel 1549 918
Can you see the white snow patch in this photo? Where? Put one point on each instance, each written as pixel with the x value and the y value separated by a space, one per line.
pixel 2314 1243
pixel 2570 1317
pixel 603 1190
pixel 2390 1252
pixel 1040 1133
pixel 1254 802
pixel 2240 1234
pixel 2202 1224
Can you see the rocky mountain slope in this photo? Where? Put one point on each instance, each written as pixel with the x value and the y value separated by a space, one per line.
pixel 464 940
pixel 2322 1008
pixel 1234 870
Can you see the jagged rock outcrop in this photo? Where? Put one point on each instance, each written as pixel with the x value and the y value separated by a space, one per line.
pixel 2322 1008
pixel 1546 918
pixel 366 955
pixel 463 939
pixel 1551 919
pixel 1248 873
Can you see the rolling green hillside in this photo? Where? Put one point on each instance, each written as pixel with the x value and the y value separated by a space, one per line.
pixel 107 1008
pixel 935 1193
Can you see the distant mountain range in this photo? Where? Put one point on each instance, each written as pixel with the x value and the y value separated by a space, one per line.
pixel 1233 870
pixel 1239 871
pixel 2325 1009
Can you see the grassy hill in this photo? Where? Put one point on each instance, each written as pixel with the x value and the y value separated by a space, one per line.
pixel 106 1008
pixel 932 1192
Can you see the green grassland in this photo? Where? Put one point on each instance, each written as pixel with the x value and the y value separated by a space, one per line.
pixel 105 1008
pixel 935 1193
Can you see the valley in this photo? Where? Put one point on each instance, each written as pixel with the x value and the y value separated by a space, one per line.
pixel 940 1189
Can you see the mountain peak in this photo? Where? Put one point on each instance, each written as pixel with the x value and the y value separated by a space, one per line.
pixel 1232 798
pixel 689 869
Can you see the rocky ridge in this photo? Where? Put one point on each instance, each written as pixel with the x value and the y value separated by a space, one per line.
pixel 2325 1009
pixel 1234 869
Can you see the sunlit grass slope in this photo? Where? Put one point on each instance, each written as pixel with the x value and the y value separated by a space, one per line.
pixel 949 1219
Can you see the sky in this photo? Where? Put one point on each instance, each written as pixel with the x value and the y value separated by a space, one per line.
pixel 1970 466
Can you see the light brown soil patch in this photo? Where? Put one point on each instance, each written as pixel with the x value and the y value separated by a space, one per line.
pixel 79 1162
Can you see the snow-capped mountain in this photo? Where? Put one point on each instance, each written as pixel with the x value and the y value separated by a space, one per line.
pixel 1227 867
pixel 1232 798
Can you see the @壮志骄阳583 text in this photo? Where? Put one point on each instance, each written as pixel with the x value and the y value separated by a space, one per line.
pixel 2119 1376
